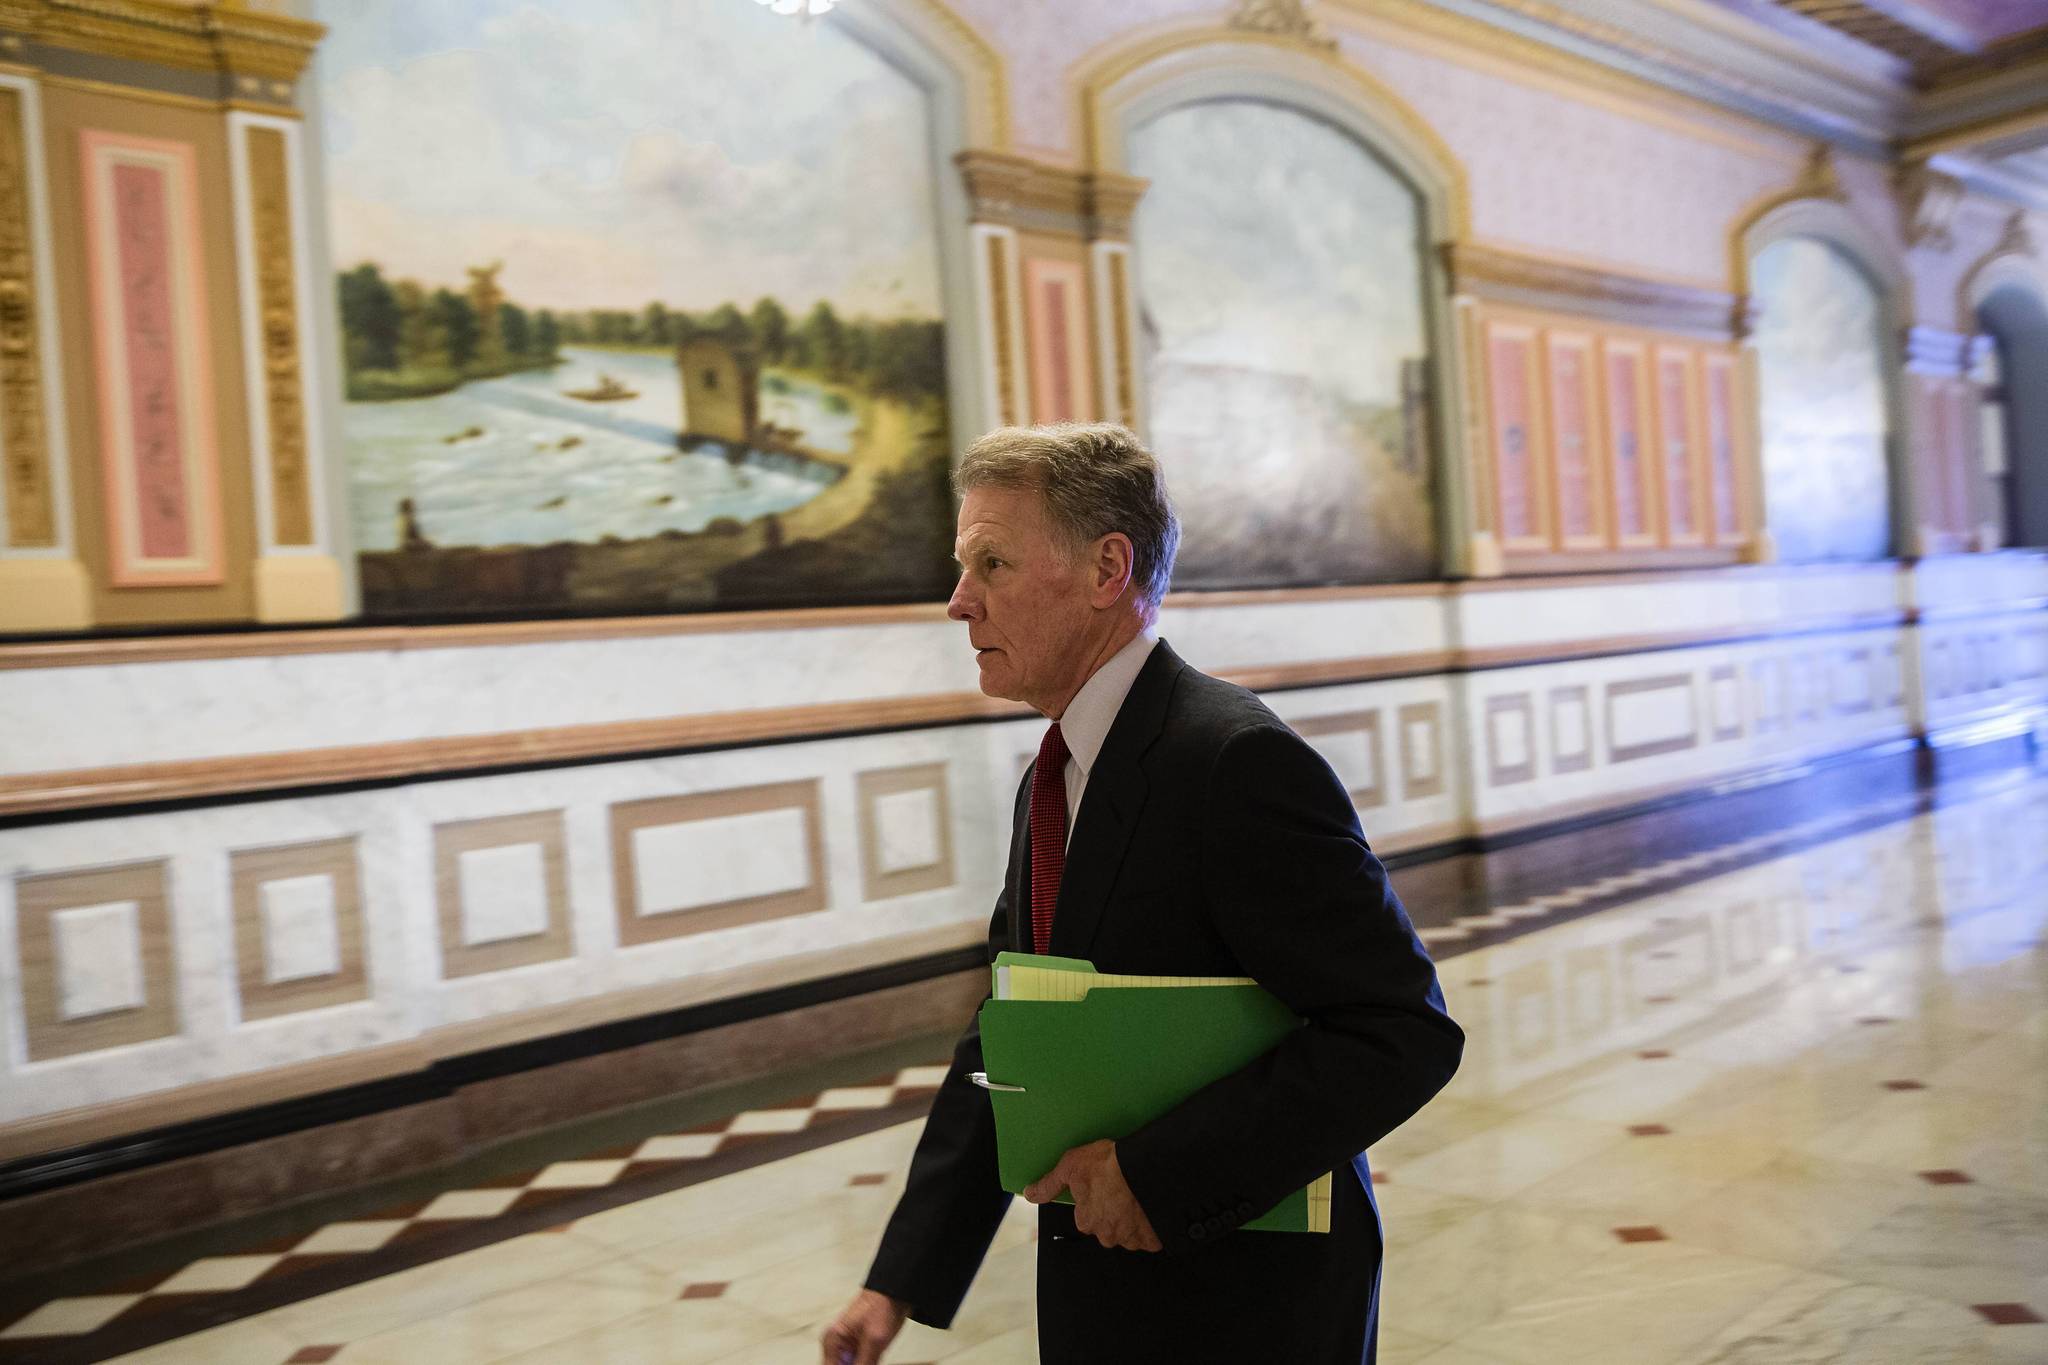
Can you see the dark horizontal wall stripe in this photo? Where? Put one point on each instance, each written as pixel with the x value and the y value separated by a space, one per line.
pixel 90 1161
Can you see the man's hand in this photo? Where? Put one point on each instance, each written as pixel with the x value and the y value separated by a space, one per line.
pixel 1104 1207
pixel 864 1330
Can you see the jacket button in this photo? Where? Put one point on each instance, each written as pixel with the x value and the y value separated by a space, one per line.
pixel 1245 1212
pixel 1219 1224
pixel 1196 1232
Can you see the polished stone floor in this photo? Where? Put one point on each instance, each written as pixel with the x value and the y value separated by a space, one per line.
pixel 1796 1112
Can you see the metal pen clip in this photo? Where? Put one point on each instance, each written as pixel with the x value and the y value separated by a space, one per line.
pixel 981 1079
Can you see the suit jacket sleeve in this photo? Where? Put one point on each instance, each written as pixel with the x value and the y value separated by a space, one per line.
pixel 953 1200
pixel 1305 906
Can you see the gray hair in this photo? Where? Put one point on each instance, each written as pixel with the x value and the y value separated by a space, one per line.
pixel 1095 477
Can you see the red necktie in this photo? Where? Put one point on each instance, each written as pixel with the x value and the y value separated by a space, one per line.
pixel 1048 834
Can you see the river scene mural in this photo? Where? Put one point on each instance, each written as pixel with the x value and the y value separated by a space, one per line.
pixel 615 342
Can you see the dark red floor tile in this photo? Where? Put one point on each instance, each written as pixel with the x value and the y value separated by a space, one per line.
pixel 1640 1234
pixel 703 1291
pixel 2006 1314
pixel 869 1179
pixel 312 1355
pixel 1655 1054
pixel 1648 1130
pixel 1904 1085
pixel 1946 1178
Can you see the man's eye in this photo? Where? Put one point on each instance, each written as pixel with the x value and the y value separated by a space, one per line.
pixel 991 563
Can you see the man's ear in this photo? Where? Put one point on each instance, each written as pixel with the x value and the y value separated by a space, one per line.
pixel 1115 560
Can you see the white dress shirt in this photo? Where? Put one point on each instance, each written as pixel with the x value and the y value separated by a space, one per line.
pixel 1086 721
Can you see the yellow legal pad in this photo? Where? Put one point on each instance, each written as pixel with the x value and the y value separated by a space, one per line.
pixel 1075 1055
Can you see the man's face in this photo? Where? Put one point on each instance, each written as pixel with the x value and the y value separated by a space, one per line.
pixel 1025 602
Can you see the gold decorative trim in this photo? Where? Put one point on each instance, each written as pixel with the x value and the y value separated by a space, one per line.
pixel 1112 199
pixel 1282 19
pixel 204 37
pixel 1120 334
pixel 999 317
pixel 1022 191
pixel 1817 179
pixel 24 435
pixel 1188 49
pixel 1531 281
pixel 990 96
pixel 284 399
pixel 1927 201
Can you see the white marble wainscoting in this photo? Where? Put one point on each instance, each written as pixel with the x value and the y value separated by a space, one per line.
pixel 1565 736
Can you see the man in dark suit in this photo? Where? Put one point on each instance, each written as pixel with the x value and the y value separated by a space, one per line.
pixel 1171 825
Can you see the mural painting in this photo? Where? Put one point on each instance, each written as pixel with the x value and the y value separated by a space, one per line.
pixel 1281 295
pixel 625 334
pixel 1821 369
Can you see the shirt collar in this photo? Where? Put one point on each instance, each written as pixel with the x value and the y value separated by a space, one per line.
pixel 1085 725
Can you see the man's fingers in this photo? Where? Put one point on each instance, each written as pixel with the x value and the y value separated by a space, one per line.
pixel 1047 1187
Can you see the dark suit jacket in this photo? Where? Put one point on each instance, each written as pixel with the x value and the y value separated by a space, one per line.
pixel 1211 840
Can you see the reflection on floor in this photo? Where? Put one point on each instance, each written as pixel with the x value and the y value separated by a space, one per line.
pixel 1794 1112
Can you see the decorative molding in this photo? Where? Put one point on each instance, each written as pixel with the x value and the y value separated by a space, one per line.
pixel 31 485
pixel 997 277
pixel 1504 767
pixel 1056 317
pixel 255 47
pixel 1023 192
pixel 40 795
pixel 270 231
pixel 1660 744
pixel 1367 783
pixel 1422 750
pixel 263 992
pixel 1936 350
pixel 1112 199
pixel 904 873
pixel 159 449
pixel 1114 329
pixel 1291 19
pixel 39 900
pixel 642 923
pixel 455 844
pixel 2013 259
pixel 1927 201
pixel 1565 701
pixel 1528 281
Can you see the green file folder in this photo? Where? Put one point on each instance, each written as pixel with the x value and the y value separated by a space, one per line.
pixel 1095 1057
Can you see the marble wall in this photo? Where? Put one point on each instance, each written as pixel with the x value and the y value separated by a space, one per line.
pixel 147 958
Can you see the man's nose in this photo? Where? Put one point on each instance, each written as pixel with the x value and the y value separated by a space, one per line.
pixel 964 605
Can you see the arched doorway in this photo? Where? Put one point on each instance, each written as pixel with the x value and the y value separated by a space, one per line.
pixel 2016 405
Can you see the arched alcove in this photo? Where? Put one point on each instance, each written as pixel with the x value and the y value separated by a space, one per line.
pixel 1828 301
pixel 1296 369
pixel 2015 317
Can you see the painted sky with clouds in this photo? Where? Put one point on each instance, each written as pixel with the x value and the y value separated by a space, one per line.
pixel 1269 240
pixel 615 152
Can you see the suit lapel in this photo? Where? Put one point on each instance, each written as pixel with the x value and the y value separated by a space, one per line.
pixel 1110 804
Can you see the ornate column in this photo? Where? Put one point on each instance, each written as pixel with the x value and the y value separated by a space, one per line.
pixel 1053 260
pixel 43 583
